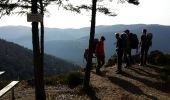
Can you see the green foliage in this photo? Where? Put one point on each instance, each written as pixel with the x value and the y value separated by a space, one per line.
pixel 55 80
pixel 111 61
pixel 74 79
pixel 159 58
pixel 165 74
pixel 31 82
pixel 17 62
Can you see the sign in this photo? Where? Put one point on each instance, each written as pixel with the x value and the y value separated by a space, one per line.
pixel 34 17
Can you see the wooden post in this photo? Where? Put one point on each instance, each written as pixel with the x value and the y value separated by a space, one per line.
pixel 12 94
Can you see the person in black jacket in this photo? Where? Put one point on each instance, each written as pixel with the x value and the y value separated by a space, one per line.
pixel 119 50
pixel 145 43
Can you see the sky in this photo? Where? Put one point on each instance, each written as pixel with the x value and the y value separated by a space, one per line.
pixel 147 12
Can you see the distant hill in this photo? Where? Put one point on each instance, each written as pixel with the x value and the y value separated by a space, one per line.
pixel 22 35
pixel 18 63
pixel 70 43
pixel 73 49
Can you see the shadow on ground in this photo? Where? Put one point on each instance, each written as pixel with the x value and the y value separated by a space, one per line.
pixel 91 93
pixel 157 85
pixel 144 73
pixel 129 87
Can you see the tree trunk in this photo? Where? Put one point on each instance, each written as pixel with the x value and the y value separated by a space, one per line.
pixel 38 70
pixel 90 54
pixel 42 34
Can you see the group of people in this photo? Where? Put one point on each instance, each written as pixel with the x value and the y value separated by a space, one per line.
pixel 125 42
pixel 124 45
pixel 98 51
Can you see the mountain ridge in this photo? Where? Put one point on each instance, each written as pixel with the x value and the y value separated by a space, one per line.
pixel 17 62
pixel 72 48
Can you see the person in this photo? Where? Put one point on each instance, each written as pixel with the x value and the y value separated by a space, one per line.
pixel 145 43
pixel 126 48
pixel 86 52
pixel 119 50
pixel 100 54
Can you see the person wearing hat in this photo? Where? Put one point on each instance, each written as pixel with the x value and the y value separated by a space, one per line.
pixel 119 50
pixel 100 54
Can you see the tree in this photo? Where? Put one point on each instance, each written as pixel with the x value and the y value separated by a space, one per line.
pixel 38 69
pixel 90 54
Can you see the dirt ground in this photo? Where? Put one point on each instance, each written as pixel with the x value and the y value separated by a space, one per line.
pixel 135 83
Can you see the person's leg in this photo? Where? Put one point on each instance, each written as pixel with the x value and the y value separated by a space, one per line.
pixel 146 54
pixel 142 56
pixel 130 58
pixel 125 58
pixel 119 61
pixel 98 64
pixel 102 61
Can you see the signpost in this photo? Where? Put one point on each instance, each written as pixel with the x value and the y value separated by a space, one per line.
pixel 34 17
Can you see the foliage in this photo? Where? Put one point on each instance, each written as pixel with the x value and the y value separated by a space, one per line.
pixel 111 61
pixel 74 79
pixel 100 8
pixel 30 82
pixel 22 7
pixel 165 74
pixel 160 58
pixel 17 62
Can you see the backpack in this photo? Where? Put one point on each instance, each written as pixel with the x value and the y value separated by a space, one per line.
pixel 134 42
pixel 86 51
pixel 123 36
pixel 149 37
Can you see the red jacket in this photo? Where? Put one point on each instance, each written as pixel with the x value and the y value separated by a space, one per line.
pixel 100 49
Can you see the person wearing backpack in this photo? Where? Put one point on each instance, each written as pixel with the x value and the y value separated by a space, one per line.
pixel 119 50
pixel 100 54
pixel 126 48
pixel 134 42
pixel 145 43
pixel 149 37
pixel 142 46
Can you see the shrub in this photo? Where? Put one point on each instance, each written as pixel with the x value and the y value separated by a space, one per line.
pixel 31 82
pixel 160 58
pixel 111 61
pixel 74 79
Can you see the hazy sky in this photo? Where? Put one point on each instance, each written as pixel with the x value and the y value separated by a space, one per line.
pixel 148 12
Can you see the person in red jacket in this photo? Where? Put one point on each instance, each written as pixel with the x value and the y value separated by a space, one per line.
pixel 100 54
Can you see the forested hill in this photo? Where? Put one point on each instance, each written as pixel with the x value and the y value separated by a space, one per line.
pixel 17 62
